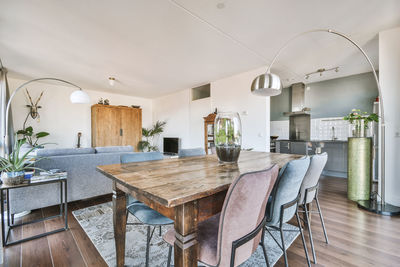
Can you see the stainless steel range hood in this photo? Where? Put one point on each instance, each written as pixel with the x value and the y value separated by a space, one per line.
pixel 297 100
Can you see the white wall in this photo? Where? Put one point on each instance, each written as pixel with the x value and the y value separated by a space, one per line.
pixel 389 74
pixel 62 119
pixel 174 109
pixel 185 117
pixel 233 94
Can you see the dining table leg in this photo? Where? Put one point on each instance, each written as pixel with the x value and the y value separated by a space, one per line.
pixel 186 247
pixel 119 221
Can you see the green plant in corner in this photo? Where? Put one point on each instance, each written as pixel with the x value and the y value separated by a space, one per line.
pixel 360 121
pixel 357 115
pixel 31 137
pixel 16 162
pixel 149 134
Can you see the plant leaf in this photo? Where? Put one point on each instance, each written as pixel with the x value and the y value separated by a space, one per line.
pixel 41 134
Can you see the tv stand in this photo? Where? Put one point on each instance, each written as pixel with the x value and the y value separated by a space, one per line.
pixel 170 155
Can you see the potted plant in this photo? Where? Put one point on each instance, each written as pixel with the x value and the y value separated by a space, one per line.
pixel 147 145
pixel 228 136
pixel 31 137
pixel 13 166
pixel 360 122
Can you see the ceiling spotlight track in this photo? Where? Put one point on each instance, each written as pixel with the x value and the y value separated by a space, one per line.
pixel 320 71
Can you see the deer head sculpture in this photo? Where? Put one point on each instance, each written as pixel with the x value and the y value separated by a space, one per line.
pixel 34 106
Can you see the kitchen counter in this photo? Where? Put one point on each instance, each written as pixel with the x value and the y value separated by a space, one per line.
pixel 336 149
pixel 312 141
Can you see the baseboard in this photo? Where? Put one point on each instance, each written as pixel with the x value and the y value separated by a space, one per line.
pixel 395 201
pixel 335 174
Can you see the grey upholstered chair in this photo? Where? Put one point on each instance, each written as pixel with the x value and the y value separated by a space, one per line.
pixel 142 212
pixel 231 237
pixel 283 203
pixel 191 152
pixel 309 193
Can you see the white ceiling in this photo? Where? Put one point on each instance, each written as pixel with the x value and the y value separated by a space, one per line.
pixel 156 47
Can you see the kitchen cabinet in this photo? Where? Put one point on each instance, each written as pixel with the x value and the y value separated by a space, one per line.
pixel 298 148
pixel 337 159
pixel 337 153
pixel 283 147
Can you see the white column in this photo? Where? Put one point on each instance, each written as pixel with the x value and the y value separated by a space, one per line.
pixel 389 75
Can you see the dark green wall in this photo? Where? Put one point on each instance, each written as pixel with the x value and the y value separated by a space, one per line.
pixel 331 98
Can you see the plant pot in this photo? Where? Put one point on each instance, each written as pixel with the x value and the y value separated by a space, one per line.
pixel 12 178
pixel 228 136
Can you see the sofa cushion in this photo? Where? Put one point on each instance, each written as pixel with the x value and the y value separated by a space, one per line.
pixel 113 149
pixel 84 181
pixel 141 156
pixel 48 152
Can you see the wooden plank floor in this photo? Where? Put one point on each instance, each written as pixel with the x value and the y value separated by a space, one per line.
pixel 357 238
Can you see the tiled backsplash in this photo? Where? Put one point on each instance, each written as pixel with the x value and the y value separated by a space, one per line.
pixel 321 129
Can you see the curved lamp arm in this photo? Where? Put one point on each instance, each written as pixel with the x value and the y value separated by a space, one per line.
pixel 5 138
pixel 381 110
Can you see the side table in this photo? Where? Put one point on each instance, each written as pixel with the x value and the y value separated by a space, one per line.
pixel 60 178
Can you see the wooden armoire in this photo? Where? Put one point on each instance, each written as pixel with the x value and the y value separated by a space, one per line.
pixel 116 126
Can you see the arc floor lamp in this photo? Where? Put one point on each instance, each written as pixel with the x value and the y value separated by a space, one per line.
pixel 77 97
pixel 269 84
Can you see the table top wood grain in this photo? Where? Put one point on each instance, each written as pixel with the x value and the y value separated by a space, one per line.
pixel 172 182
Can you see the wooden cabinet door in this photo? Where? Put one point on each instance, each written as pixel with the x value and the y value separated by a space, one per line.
pixel 131 126
pixel 106 122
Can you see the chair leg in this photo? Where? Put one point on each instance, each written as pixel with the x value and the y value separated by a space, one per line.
pixel 127 214
pixel 283 246
pixel 169 256
pixel 265 253
pixel 263 247
pixel 302 237
pixel 160 230
pixel 310 233
pixel 322 220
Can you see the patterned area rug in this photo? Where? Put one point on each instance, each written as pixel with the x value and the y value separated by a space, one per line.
pixel 96 221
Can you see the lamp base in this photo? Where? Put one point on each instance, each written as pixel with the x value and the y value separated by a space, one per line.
pixel 379 208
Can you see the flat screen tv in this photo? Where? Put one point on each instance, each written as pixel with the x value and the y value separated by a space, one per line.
pixel 171 145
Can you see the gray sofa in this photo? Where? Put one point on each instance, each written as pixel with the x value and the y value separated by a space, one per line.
pixel 83 179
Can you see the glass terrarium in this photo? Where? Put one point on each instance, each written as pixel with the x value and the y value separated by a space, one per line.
pixel 228 136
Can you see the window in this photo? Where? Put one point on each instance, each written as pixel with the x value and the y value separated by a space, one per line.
pixel 200 92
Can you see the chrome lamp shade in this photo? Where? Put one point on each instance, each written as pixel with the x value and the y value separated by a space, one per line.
pixel 267 84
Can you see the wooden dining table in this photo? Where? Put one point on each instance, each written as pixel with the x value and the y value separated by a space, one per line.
pixel 186 190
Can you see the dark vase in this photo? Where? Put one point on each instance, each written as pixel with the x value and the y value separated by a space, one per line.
pixel 228 136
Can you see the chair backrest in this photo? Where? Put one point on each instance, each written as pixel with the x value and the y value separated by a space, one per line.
pixel 141 156
pixel 286 189
pixel 191 152
pixel 243 210
pixel 317 165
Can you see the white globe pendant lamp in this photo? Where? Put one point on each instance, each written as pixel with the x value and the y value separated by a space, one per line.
pixel 79 97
